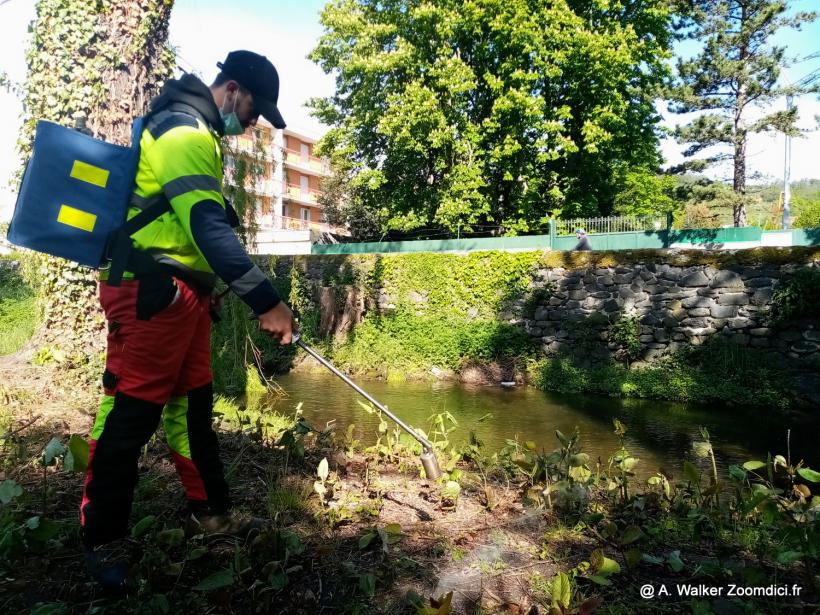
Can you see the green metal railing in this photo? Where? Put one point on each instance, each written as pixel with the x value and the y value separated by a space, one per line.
pixel 610 224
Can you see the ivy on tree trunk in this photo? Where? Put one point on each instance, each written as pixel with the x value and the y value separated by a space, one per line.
pixel 101 61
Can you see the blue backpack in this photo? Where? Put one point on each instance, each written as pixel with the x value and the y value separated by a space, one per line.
pixel 75 193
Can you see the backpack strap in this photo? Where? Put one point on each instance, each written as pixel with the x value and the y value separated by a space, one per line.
pixel 121 249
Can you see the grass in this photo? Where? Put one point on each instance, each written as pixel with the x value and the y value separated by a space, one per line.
pixel 18 309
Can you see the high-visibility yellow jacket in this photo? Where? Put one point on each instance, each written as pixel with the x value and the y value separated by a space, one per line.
pixel 181 161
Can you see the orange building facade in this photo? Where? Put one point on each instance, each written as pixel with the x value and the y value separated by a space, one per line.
pixel 288 190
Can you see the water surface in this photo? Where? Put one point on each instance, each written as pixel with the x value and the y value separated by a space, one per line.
pixel 659 433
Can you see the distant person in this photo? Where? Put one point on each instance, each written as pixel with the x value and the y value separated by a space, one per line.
pixel 583 241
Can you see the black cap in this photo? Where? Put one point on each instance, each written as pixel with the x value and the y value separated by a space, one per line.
pixel 256 74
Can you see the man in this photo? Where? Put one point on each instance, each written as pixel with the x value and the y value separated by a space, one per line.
pixel 158 360
pixel 583 241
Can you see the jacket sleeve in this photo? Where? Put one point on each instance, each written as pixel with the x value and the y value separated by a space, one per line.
pixel 187 164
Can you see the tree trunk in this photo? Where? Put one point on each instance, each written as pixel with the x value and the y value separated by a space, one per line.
pixel 739 181
pixel 101 61
pixel 740 137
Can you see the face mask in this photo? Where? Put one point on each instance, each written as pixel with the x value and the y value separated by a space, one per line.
pixel 231 121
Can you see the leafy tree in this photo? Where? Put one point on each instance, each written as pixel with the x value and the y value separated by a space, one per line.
pixel 645 193
pixel 736 71
pixel 489 112
pixel 101 62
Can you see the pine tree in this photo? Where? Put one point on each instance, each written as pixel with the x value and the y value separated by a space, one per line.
pixel 100 61
pixel 736 70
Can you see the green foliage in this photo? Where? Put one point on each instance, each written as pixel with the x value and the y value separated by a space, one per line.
pixel 645 193
pixel 716 372
pixel 736 70
pixel 454 116
pixel 807 212
pixel 626 333
pixel 798 297
pixel 404 342
pixel 18 308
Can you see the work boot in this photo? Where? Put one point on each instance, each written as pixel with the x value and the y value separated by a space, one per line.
pixel 107 564
pixel 229 523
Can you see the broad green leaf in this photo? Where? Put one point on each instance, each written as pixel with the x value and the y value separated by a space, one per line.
pixel 78 447
pixel 217 580
pixel 631 534
pixel 601 565
pixel 9 490
pixel 46 530
pixel 809 474
pixel 691 472
pixel 561 590
pixel 580 459
pixel 278 579
pixel 52 450
pixel 751 466
pixel 171 537
pixel 365 540
pixel 787 558
pixel 633 557
pixel 562 438
pixel 675 562
pixel 600 580
pixel 367 583
pixel 195 554
pixel 143 525
pixel 652 559
pixel 737 473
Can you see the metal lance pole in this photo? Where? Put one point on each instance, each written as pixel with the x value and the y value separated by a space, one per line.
pixel 428 457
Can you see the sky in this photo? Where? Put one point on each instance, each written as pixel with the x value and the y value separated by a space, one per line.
pixel 203 31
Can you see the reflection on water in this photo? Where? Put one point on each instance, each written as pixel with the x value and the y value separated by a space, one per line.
pixel 660 433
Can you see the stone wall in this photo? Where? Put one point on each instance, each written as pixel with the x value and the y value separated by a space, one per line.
pixel 570 308
pixel 675 305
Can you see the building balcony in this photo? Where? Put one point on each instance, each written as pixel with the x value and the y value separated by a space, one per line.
pixel 298 195
pixel 283 223
pixel 312 166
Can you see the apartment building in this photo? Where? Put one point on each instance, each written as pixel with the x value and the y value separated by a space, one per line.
pixel 288 189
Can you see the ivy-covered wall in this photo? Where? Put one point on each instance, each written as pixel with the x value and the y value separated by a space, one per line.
pixel 400 314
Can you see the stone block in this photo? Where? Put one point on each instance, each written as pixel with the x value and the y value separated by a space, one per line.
pixel 572 305
pixel 541 313
pixel 733 299
pixel 693 322
pixel 762 296
pixel 739 323
pixel 723 311
pixel 791 335
pixel 648 276
pixel 623 278
pixel 679 337
pixel 760 332
pixel 611 305
pixel 670 322
pixel 694 279
pixel 697 302
pixel 698 312
pixel 578 295
pixel 561 335
pixel 661 335
pixel 646 338
pixel 536 332
pixel 601 294
pixel 605 280
pixel 555 301
pixel 626 293
pixel 727 279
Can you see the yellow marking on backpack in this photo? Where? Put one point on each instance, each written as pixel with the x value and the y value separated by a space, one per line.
pixel 77 218
pixel 89 173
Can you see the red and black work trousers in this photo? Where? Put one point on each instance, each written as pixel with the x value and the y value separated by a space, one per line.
pixel 157 368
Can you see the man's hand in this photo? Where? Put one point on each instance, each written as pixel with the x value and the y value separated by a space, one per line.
pixel 278 323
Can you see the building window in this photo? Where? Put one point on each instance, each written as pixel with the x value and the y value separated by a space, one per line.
pixel 305 214
pixel 305 153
